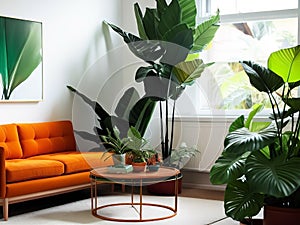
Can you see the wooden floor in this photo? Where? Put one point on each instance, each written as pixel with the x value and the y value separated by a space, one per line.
pixel 202 193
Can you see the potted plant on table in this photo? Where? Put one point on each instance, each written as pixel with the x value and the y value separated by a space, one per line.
pixel 139 154
pixel 140 159
pixel 116 146
pixel 260 162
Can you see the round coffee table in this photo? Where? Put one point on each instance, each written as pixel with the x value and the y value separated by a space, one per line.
pixel 102 175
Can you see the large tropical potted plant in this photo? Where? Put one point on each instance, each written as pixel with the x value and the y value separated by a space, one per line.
pixel 260 163
pixel 168 36
pixel 169 42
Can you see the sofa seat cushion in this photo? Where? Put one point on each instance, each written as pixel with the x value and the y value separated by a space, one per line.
pixel 76 161
pixel 25 169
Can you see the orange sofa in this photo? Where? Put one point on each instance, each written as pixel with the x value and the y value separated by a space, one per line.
pixel 41 159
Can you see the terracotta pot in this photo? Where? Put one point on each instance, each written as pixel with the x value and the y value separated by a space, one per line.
pixel 139 167
pixel 280 216
pixel 165 188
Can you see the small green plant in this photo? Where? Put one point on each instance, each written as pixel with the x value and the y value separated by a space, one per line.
pixel 132 144
pixel 180 156
pixel 114 143
pixel 142 155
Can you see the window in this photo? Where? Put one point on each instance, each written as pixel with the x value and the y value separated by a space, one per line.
pixel 249 30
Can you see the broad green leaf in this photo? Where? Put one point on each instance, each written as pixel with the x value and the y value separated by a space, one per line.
pixel 111 122
pixel 237 123
pixel 29 58
pixel 17 32
pixel 188 12
pixel 169 19
pixel 99 110
pixel 240 201
pixel 150 22
pixel 177 42
pixel 286 63
pixel 205 32
pixel 141 114
pixel 188 71
pixel 243 140
pixel 106 121
pixel 180 34
pixel 262 78
pixel 127 37
pixel 126 103
pixel 228 167
pixel 136 140
pixel 161 5
pixel 278 177
pixel 139 21
pixel 144 49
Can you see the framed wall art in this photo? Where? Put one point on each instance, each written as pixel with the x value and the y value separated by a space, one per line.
pixel 21 61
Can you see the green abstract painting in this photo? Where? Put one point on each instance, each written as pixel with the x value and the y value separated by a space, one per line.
pixel 21 60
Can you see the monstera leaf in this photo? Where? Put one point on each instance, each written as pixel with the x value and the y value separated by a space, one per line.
pixel 243 140
pixel 241 201
pixel 278 176
pixel 228 167
pixel 20 52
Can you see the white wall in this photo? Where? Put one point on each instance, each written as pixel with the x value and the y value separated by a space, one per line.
pixel 73 39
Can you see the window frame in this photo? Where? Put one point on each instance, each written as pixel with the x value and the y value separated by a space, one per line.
pixel 204 13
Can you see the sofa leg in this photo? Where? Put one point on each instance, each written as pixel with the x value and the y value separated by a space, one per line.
pixel 5 209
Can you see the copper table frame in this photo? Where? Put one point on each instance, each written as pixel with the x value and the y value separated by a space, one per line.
pixel 101 175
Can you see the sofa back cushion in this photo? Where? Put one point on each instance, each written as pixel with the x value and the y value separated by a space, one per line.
pixel 46 137
pixel 9 139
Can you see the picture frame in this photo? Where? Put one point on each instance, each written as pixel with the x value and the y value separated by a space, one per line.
pixel 21 60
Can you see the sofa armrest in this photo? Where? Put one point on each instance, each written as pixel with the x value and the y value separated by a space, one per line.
pixel 2 173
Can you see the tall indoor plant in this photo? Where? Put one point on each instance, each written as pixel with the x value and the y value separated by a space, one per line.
pixel 168 36
pixel 169 42
pixel 260 163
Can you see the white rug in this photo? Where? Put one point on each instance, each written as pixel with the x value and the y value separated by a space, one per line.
pixel 191 211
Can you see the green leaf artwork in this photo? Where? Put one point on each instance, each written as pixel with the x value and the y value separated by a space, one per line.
pixel 20 55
